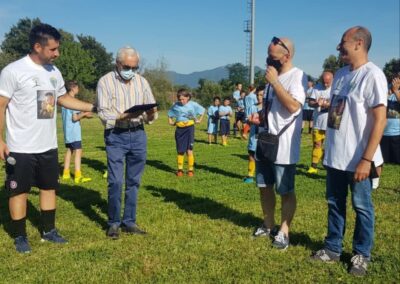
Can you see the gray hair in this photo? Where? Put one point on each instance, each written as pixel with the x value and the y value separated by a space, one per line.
pixel 126 51
pixel 363 34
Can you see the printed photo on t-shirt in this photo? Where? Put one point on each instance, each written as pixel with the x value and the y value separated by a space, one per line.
pixel 45 104
pixel 336 109
pixel 393 110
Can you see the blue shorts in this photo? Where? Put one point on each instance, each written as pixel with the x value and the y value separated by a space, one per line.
pixel 225 127
pixel 280 175
pixel 184 138
pixel 252 145
pixel 76 145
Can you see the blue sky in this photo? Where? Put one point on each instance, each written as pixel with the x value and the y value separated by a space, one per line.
pixel 195 35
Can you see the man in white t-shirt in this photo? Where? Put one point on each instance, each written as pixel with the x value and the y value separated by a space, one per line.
pixel 283 100
pixel 29 90
pixel 319 100
pixel 356 119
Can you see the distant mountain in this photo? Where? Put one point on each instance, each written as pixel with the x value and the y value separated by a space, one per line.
pixel 192 79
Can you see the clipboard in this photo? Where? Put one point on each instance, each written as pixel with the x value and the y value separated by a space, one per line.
pixel 143 108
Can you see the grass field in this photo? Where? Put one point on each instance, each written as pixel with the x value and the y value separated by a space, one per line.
pixel 199 228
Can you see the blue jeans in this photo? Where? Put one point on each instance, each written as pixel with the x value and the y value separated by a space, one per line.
pixel 127 147
pixel 337 183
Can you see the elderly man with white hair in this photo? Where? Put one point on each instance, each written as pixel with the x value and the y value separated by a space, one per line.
pixel 124 136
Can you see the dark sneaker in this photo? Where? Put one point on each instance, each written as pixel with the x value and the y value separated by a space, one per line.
pixel 325 255
pixel 113 232
pixel 263 231
pixel 53 237
pixel 281 241
pixel 133 230
pixel 359 264
pixel 22 245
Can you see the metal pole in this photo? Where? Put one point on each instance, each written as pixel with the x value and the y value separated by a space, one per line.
pixel 253 21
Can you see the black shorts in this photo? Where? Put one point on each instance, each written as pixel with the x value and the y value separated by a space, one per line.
pixel 224 127
pixel 40 170
pixel 184 138
pixel 240 116
pixel 76 145
pixel 308 114
pixel 390 146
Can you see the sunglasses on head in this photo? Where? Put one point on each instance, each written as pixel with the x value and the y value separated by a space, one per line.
pixel 127 67
pixel 277 41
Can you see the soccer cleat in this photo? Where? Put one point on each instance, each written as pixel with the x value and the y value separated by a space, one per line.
pixel 190 173
pixel 53 237
pixel 82 179
pixel 359 265
pixel 281 241
pixel 179 173
pixel 248 180
pixel 325 255
pixel 22 245
pixel 312 170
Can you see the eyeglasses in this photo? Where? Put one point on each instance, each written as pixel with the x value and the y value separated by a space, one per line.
pixel 277 41
pixel 127 67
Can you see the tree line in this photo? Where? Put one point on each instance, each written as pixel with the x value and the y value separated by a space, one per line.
pixel 85 60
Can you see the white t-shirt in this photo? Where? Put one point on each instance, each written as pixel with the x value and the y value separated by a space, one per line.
pixel 350 118
pixel 295 83
pixel 31 113
pixel 320 115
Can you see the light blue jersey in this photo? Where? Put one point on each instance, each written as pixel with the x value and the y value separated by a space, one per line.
pixel 236 95
pixel 185 112
pixel 240 104
pixel 393 117
pixel 212 123
pixel 72 130
pixel 225 109
pixel 250 104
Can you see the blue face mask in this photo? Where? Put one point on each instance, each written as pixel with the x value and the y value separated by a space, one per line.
pixel 127 74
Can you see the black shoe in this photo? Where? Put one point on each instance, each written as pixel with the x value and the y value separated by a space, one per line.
pixel 133 230
pixel 113 232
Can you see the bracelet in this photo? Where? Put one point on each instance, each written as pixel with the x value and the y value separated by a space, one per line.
pixel 365 159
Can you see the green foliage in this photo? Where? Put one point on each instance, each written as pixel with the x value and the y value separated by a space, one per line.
pixel 332 63
pixel 259 78
pixel 103 60
pixel 392 69
pixel 75 63
pixel 6 58
pixel 87 95
pixel 199 228
pixel 16 41
pixel 238 73
pixel 207 90
pixel 160 84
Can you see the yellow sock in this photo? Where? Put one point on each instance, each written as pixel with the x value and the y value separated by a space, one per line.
pixel 78 174
pixel 66 174
pixel 316 155
pixel 180 161
pixel 252 168
pixel 190 162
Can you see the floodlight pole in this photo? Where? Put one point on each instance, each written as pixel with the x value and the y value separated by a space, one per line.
pixel 253 21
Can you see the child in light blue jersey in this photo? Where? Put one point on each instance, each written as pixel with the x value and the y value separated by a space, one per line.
pixel 213 117
pixel 184 114
pixel 72 136
pixel 225 112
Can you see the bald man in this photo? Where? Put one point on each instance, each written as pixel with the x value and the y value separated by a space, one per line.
pixel 358 105
pixel 283 100
pixel 319 100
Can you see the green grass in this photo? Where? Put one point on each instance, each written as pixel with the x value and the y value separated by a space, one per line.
pixel 199 228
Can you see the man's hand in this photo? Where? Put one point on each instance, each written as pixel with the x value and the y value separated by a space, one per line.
pixel 151 113
pixel 130 115
pixel 3 150
pixel 362 171
pixel 271 75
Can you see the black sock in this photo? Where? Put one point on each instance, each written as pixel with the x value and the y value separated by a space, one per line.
pixel 48 219
pixel 18 227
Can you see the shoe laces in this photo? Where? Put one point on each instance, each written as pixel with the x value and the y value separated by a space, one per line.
pixel 280 237
pixel 358 260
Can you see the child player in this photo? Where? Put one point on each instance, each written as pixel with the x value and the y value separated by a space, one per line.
pixel 225 112
pixel 184 114
pixel 213 116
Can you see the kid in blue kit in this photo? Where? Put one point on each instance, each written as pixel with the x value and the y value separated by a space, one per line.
pixel 72 136
pixel 213 117
pixel 184 114
pixel 225 112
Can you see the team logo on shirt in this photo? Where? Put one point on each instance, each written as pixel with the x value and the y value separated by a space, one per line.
pixel 36 81
pixel 46 104
pixel 53 81
pixel 13 184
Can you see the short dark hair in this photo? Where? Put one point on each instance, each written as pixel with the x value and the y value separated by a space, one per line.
pixel 70 84
pixel 260 88
pixel 364 34
pixel 184 93
pixel 42 33
pixel 227 99
pixel 216 98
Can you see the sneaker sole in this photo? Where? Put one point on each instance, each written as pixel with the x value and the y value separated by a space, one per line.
pixel 44 240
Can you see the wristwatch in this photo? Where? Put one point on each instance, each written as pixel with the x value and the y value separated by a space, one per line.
pixel 94 109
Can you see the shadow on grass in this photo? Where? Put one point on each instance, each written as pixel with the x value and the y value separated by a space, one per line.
pixel 85 200
pixel 160 166
pixel 302 239
pixel 218 171
pixel 205 206
pixel 301 169
pixel 241 156
pixel 95 164
pixel 200 141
